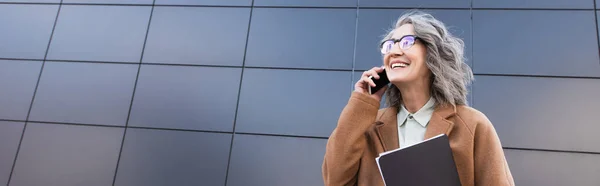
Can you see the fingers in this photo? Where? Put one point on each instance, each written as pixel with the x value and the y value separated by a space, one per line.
pixel 379 69
pixel 361 86
pixel 366 76
pixel 364 82
pixel 367 80
pixel 373 72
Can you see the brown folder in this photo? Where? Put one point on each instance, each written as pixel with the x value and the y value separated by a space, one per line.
pixel 429 163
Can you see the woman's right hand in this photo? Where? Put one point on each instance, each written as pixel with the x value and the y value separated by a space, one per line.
pixel 362 86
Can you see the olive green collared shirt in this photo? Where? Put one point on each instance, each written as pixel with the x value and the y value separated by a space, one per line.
pixel 412 126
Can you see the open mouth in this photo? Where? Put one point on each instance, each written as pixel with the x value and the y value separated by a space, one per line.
pixel 399 64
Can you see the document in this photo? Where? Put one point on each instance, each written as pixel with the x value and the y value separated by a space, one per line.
pixel 429 163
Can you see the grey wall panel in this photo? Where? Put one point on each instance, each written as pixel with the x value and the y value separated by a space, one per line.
pixel 306 3
pixel 192 54
pixel 155 157
pixel 597 23
pixel 146 2
pixel 10 135
pixel 416 3
pixel 294 102
pixel 542 113
pixel 18 80
pixel 558 4
pixel 197 35
pixel 301 38
pixel 205 2
pixel 31 1
pixel 539 168
pixel 266 160
pixel 25 30
pixel 85 93
pixel 67 155
pixel 521 42
pixel 202 98
pixel 103 33
pixel 373 25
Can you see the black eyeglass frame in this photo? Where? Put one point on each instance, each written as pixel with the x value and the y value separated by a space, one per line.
pixel 398 40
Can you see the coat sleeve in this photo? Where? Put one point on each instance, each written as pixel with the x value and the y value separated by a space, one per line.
pixel 347 142
pixel 491 167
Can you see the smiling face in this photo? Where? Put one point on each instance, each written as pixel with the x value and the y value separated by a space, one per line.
pixel 405 64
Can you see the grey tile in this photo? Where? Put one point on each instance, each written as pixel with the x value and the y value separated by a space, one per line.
pixel 10 135
pixel 541 113
pixel 520 42
pixel 87 93
pixel 267 160
pixel 306 3
pixel 293 102
pixel 103 33
pixel 373 25
pixel 25 30
pixel 201 98
pixel 197 35
pixel 205 2
pixel 416 3
pixel 301 38
pixel 67 155
pixel 159 157
pixel 18 80
pixel 539 168
pixel 558 4
pixel 146 2
pixel 598 21
pixel 31 1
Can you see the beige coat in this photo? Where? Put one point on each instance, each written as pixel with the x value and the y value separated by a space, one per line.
pixel 364 131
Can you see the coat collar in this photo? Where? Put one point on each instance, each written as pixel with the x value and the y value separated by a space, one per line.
pixel 387 125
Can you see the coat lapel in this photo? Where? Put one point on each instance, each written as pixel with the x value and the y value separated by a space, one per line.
pixel 387 129
pixel 439 123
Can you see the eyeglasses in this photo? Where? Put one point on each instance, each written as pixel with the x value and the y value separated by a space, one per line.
pixel 406 42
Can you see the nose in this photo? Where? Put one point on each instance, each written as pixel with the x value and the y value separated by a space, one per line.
pixel 395 51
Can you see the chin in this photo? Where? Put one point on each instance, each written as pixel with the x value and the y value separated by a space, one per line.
pixel 402 78
pixel 399 77
pixel 395 80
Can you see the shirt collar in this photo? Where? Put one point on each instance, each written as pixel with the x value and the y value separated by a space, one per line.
pixel 422 116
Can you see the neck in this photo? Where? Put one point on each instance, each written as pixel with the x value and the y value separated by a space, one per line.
pixel 415 96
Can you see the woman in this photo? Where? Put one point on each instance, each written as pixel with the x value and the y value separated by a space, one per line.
pixel 427 97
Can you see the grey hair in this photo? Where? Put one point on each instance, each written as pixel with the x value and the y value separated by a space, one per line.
pixel 445 59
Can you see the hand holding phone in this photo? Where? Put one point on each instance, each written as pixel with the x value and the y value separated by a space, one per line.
pixel 372 82
pixel 379 83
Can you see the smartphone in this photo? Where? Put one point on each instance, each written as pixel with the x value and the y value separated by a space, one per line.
pixel 379 83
